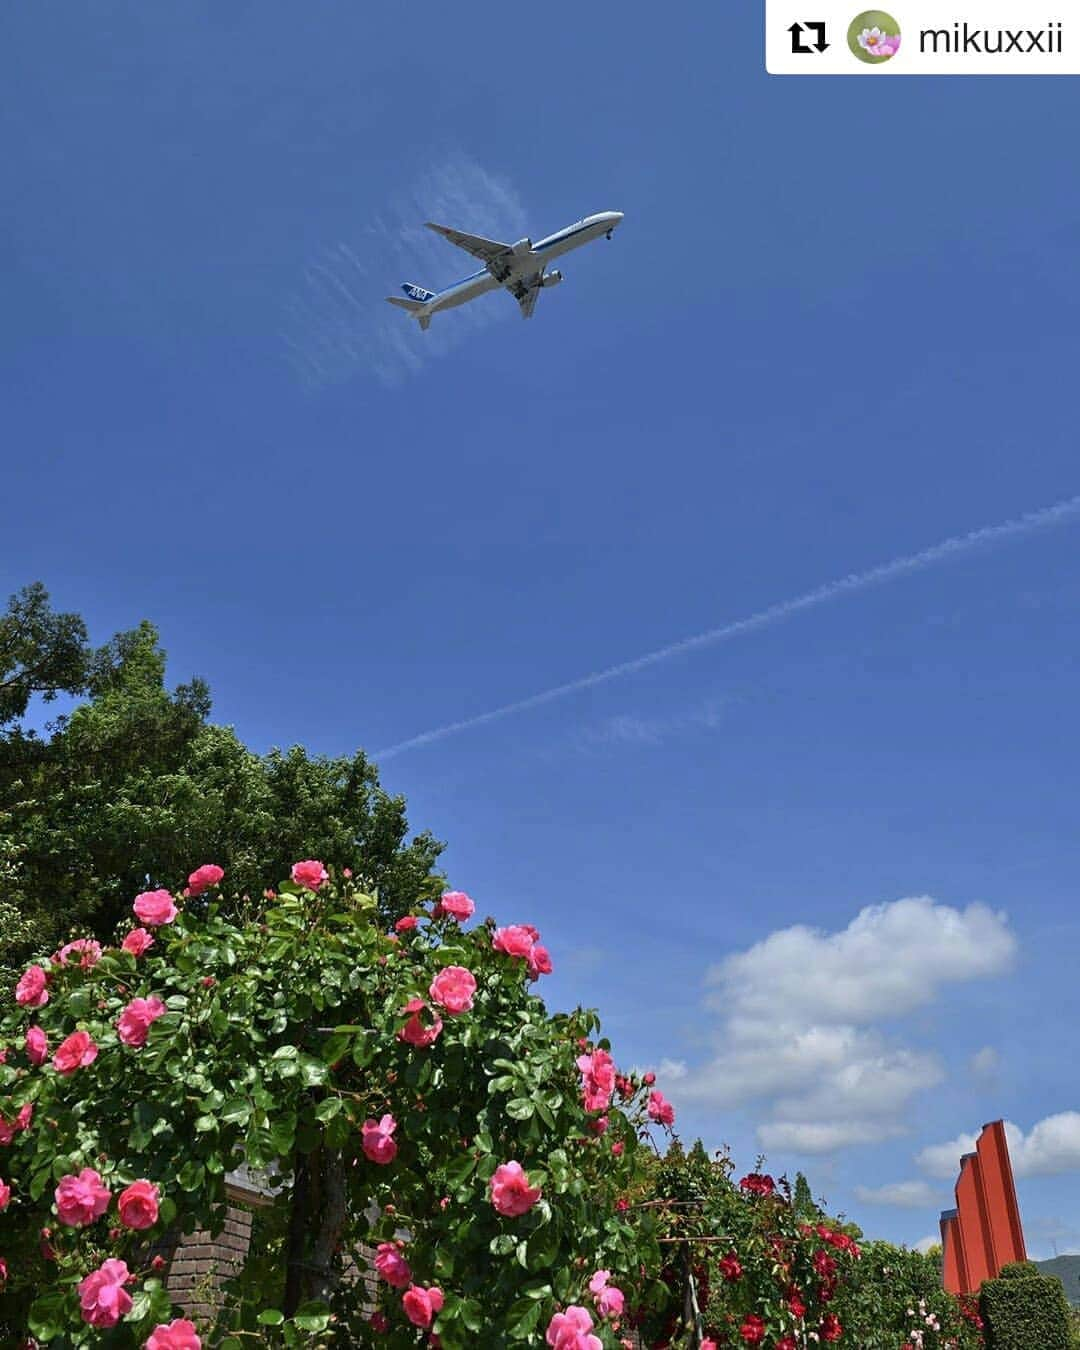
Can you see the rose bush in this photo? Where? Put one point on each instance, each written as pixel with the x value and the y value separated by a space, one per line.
pixel 746 1267
pixel 407 1091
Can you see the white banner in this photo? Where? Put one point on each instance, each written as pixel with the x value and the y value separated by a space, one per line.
pixel 923 37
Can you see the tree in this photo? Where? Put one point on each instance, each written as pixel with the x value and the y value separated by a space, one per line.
pixel 407 1090
pixel 803 1202
pixel 137 771
pixel 41 653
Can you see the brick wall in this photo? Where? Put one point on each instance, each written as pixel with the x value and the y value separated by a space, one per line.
pixel 198 1265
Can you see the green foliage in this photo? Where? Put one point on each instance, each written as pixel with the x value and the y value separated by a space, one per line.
pixel 1025 1311
pixel 135 781
pixel 41 653
pixel 897 1298
pixel 803 1202
pixel 279 1040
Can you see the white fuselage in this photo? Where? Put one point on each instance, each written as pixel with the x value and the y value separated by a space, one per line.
pixel 528 262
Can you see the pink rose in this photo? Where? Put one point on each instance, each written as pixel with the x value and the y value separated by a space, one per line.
pixel 5 1195
pixel 137 941
pixel 309 874
pixel 31 992
pixel 178 1335
pixel 455 903
pixel 570 1330
pixel 377 1143
pixel 609 1300
pixel 597 1079
pixel 3 1271
pixel 37 1046
pixel 422 1305
pixel 103 1300
pixel 511 1193
pixel 379 1322
pixel 538 961
pixel 617 1148
pixel 660 1109
pixel 9 1129
pixel 82 1199
pixel 209 874
pixel 517 940
pixel 414 1032
pixel 138 1205
pixel 133 1024
pixel 598 1125
pixel 405 923
pixel 453 989
pixel 391 1265
pixel 84 952
pixel 74 1053
pixel 155 908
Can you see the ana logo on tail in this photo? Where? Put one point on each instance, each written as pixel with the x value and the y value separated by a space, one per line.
pixel 418 293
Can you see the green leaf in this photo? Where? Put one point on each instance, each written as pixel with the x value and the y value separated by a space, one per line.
pixel 270 1317
pixel 191 1176
pixel 236 1111
pixel 335 1047
pixel 328 1109
pixel 524 1317
pixel 543 1247
pixel 312 1317
pixel 313 1072
pixel 519 1108
pixel 47 1318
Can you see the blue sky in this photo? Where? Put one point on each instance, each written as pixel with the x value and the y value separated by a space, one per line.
pixel 836 327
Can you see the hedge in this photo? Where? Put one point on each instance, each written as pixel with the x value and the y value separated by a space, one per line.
pixel 1022 1310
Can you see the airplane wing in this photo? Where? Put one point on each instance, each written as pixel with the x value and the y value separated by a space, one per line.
pixel 526 292
pixel 487 250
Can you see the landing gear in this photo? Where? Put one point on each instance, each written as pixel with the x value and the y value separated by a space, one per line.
pixel 609 234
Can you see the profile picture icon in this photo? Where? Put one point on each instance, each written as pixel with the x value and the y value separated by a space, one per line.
pixel 874 36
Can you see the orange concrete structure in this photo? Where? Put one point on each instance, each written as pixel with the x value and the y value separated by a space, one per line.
pixel 983 1233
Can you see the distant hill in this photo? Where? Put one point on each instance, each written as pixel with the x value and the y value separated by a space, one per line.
pixel 1067 1269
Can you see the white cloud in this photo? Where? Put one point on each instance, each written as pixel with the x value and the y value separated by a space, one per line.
pixel 800 1012
pixel 337 323
pixel 924 1244
pixel 630 729
pixel 671 1070
pixel 890 959
pixel 985 1062
pixel 902 1194
pixel 1051 1147
pixel 943 1160
pixel 822 1137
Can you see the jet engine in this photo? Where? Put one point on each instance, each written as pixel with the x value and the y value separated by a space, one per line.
pixel 522 247
pixel 552 278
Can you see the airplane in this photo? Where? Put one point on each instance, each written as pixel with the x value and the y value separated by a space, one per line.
pixel 521 268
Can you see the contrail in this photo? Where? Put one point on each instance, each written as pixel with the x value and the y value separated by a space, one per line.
pixel 1058 514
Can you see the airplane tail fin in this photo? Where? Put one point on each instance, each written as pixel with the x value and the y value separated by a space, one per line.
pixel 418 298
